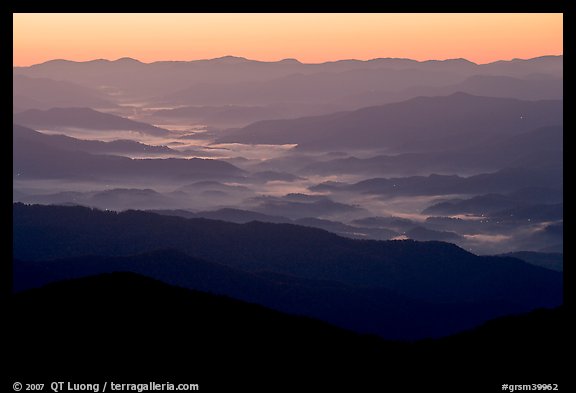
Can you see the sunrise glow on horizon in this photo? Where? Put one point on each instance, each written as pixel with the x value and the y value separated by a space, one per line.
pixel 310 38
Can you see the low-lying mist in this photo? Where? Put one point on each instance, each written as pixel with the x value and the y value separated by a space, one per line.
pixel 472 157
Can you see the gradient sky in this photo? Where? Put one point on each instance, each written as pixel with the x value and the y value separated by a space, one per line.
pixel 310 38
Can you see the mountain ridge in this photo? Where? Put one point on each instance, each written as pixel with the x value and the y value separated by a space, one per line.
pixel 81 117
pixel 410 268
pixel 122 59
pixel 405 122
pixel 214 328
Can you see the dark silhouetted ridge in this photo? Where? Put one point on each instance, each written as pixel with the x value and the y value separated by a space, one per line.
pixel 109 322
pixel 433 272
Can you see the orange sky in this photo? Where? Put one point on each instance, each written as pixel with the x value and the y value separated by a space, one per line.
pixel 310 38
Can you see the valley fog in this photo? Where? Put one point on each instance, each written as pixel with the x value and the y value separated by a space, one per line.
pixel 463 153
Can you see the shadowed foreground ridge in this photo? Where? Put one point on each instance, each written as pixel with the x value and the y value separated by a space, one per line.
pixel 395 289
pixel 113 321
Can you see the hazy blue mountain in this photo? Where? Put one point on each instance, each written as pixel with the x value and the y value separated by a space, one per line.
pixel 420 124
pixel 433 271
pixel 495 203
pixel 21 103
pixel 123 198
pixel 548 238
pixel 63 198
pixel 240 216
pixel 134 78
pixel 244 216
pixel 37 160
pixel 502 181
pixel 529 88
pixel 479 205
pixel 543 87
pixel 308 88
pixel 552 261
pixel 112 198
pixel 501 207
pixel 354 232
pixel 296 206
pixel 82 118
pixel 90 146
pixel 535 148
pixel 537 195
pixel 269 176
pixel 463 160
pixel 397 223
pixel 553 65
pixel 144 80
pixel 212 185
pixel 44 93
pixel 176 213
pixel 535 213
pixel 227 116
pixel 226 214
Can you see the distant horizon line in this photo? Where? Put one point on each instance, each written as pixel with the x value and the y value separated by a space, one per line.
pixel 284 60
